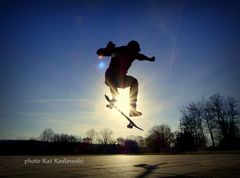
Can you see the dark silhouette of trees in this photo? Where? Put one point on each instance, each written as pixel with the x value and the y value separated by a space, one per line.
pixel 226 116
pixel 92 135
pixel 208 119
pixel 106 137
pixel 131 144
pixel 127 145
pixel 138 139
pixel 191 123
pixel 218 114
pixel 217 117
pixel 87 140
pixel 232 114
pixel 184 141
pixel 120 141
pixel 47 135
pixel 160 138
pixel 64 138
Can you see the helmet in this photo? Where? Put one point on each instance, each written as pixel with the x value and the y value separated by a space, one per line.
pixel 134 46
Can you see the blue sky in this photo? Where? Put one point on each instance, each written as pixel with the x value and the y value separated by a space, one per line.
pixel 50 74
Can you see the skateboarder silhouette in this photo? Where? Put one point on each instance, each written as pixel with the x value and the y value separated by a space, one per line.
pixel 116 74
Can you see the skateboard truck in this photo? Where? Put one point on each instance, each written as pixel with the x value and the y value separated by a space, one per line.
pixel 130 126
pixel 110 106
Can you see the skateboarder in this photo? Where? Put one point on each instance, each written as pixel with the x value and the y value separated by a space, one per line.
pixel 116 74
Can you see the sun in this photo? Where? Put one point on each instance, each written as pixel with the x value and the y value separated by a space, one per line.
pixel 123 100
pixel 113 117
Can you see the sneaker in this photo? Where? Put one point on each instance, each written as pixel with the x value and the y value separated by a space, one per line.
pixel 134 113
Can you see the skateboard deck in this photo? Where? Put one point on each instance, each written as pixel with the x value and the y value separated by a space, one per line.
pixel 112 105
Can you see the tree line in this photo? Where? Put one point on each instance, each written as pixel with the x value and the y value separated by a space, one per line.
pixel 205 124
pixel 211 123
pixel 216 118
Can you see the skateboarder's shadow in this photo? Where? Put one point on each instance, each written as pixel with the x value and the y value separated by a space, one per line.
pixel 148 169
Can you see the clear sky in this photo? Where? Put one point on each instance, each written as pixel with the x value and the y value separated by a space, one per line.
pixel 51 76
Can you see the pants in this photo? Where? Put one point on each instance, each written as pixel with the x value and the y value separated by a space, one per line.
pixel 114 81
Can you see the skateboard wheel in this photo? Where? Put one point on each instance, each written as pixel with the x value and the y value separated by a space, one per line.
pixel 130 126
pixel 109 106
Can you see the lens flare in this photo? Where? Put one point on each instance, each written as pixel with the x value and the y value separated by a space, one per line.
pixel 123 100
pixel 101 65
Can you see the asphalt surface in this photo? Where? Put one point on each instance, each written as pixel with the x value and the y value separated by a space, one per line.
pixel 140 166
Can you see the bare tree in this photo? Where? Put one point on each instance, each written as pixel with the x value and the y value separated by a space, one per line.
pixel 140 140
pixel 217 116
pixel 208 119
pixel 184 140
pixel 64 138
pixel 192 122
pixel 106 137
pixel 218 111
pixel 120 141
pixel 87 140
pixel 160 137
pixel 226 117
pixel 233 116
pixel 47 135
pixel 92 135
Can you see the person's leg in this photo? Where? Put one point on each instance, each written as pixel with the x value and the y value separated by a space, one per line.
pixel 111 81
pixel 133 83
pixel 114 92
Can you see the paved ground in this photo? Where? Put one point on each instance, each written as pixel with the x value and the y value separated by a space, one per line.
pixel 198 165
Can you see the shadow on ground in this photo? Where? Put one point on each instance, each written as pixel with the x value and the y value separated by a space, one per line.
pixel 148 169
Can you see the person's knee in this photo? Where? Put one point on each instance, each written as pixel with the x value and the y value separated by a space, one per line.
pixel 134 81
pixel 106 82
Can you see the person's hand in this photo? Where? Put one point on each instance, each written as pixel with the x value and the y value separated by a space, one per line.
pixel 110 45
pixel 100 52
pixel 152 59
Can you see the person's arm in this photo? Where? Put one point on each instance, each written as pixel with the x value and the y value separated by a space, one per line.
pixel 106 51
pixel 142 57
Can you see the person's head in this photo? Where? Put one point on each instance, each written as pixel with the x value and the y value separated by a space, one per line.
pixel 134 46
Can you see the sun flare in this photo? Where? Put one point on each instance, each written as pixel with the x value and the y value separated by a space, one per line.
pixel 123 100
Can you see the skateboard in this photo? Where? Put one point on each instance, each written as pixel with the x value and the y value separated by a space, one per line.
pixel 112 105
